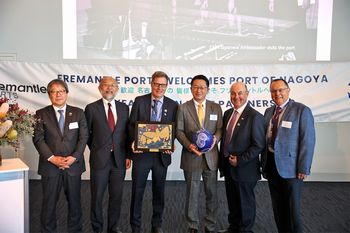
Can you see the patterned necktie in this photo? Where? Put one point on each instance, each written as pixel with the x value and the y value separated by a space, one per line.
pixel 154 116
pixel 229 132
pixel 61 120
pixel 274 122
pixel 200 115
pixel 111 121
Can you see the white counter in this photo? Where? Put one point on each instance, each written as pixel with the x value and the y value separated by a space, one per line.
pixel 14 196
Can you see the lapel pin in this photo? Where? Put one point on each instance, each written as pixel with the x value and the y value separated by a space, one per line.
pixel 70 114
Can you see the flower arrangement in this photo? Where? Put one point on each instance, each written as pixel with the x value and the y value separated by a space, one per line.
pixel 14 123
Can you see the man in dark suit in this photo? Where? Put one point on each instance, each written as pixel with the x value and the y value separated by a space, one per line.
pixel 242 142
pixel 288 156
pixel 60 137
pixel 192 116
pixel 107 120
pixel 150 107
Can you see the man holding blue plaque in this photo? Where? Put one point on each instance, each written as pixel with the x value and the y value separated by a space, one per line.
pixel 199 128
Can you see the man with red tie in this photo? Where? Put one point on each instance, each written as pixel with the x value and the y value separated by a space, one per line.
pixel 107 120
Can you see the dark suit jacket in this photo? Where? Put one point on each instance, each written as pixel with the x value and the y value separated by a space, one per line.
pixel 188 124
pixel 141 111
pixel 295 140
pixel 247 142
pixel 101 136
pixel 49 140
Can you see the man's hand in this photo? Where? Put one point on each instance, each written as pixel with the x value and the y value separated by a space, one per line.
pixel 214 142
pixel 59 162
pixel 233 160
pixel 69 160
pixel 128 163
pixel 302 176
pixel 133 148
pixel 193 148
pixel 169 152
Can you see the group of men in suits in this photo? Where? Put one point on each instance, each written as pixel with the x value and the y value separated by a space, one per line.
pixel 284 137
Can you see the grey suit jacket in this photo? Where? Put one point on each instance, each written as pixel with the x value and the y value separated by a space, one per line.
pixel 187 124
pixel 48 139
pixel 295 140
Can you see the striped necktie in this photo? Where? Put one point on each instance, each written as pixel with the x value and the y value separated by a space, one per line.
pixel 154 115
pixel 274 122
pixel 229 132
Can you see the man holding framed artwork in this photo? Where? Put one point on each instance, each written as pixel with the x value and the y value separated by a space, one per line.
pixel 153 107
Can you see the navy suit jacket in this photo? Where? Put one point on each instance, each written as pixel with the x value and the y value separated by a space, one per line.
pixel 247 142
pixel 49 140
pixel 101 137
pixel 141 111
pixel 295 140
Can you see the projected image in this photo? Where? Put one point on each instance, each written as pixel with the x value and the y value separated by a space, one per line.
pixel 191 30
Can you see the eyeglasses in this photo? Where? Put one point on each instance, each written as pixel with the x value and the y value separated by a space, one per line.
pixel 201 88
pixel 279 90
pixel 160 85
pixel 109 85
pixel 58 92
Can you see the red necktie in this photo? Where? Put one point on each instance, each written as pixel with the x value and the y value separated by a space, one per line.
pixel 111 121
pixel 229 132
pixel 274 122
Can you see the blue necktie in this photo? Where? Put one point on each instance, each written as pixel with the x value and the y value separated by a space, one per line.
pixel 154 116
pixel 61 120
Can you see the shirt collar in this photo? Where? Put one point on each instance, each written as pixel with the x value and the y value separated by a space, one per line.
pixel 105 102
pixel 284 105
pixel 203 103
pixel 57 108
pixel 241 109
pixel 160 100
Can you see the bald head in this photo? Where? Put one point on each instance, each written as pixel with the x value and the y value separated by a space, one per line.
pixel 239 94
pixel 108 87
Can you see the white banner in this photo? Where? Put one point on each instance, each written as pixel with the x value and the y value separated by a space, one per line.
pixel 324 87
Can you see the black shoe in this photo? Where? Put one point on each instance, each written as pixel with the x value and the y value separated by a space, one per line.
pixel 207 231
pixel 157 230
pixel 116 230
pixel 192 230
pixel 225 231
pixel 135 230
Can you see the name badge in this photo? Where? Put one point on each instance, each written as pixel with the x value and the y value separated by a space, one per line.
pixel 286 124
pixel 73 125
pixel 213 117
